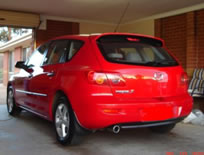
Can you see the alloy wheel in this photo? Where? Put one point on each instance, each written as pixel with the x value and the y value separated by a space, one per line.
pixel 10 101
pixel 62 120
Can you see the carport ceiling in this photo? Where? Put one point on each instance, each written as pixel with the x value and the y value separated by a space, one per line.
pixel 107 11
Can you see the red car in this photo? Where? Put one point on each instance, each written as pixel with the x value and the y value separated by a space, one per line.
pixel 90 82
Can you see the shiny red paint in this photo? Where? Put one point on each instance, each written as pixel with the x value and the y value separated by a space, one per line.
pixel 99 106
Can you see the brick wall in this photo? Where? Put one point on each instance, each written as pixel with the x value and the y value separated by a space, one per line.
pixel 54 29
pixel 200 37
pixel 174 34
pixel 184 37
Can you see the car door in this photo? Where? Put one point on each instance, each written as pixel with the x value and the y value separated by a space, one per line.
pixel 45 84
pixel 24 96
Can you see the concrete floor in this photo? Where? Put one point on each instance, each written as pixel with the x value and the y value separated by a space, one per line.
pixel 2 94
pixel 28 134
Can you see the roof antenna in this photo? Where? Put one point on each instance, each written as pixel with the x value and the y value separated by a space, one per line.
pixel 124 12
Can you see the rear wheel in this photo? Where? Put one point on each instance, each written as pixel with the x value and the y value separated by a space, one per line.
pixel 11 105
pixel 65 122
pixel 163 128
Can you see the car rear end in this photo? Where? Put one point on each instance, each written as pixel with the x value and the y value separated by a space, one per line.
pixel 147 85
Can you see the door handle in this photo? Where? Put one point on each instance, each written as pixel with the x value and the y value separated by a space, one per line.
pixel 50 74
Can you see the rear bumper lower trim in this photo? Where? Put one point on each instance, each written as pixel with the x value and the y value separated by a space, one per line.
pixel 149 124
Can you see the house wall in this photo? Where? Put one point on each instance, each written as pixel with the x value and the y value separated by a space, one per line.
pixel 142 27
pixel 1 60
pixel 184 37
pixel 1 68
pixel 5 67
pixel 17 56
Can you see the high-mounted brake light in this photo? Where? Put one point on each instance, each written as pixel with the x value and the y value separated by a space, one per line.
pixel 133 39
pixel 101 78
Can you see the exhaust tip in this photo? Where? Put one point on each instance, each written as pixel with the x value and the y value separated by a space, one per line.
pixel 116 129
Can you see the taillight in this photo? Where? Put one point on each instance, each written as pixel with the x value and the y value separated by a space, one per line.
pixel 97 78
pixel 116 79
pixel 101 78
pixel 184 78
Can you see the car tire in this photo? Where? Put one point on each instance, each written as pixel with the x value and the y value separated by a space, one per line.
pixel 66 127
pixel 163 128
pixel 11 104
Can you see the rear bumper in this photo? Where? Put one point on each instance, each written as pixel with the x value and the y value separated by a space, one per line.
pixel 107 111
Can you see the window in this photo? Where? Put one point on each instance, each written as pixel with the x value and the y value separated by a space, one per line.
pixel 75 45
pixel 61 51
pixel 37 56
pixel 26 53
pixel 136 51
pixel 57 52
pixel 11 62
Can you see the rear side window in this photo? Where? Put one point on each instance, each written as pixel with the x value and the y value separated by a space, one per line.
pixel 135 50
pixel 75 46
pixel 61 51
pixel 57 52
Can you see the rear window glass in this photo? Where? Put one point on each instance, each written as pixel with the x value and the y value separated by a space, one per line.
pixel 135 50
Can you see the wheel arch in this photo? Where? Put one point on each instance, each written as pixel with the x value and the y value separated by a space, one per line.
pixel 52 107
pixel 53 102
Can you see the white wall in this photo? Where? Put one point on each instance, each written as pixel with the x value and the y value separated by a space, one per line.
pixel 87 28
pixel 142 27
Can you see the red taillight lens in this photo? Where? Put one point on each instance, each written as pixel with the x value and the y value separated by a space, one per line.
pixel 97 78
pixel 100 78
pixel 184 78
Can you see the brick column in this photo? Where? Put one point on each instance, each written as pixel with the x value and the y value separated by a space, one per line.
pixel 5 67
pixel 158 28
pixel 17 57
pixel 191 52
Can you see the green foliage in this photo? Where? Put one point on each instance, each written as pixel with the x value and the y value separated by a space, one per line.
pixel 4 35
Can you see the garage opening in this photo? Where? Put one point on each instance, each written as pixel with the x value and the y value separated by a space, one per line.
pixel 16 44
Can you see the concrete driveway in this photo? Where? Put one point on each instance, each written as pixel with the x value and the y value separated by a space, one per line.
pixel 28 134
pixel 2 94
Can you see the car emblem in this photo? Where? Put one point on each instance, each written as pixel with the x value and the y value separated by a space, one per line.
pixel 158 76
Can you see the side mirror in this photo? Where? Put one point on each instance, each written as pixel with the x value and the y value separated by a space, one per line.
pixel 21 65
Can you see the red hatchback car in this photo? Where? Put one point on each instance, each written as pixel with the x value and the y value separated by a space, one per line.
pixel 90 82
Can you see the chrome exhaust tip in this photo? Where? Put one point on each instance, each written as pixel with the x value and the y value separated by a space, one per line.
pixel 116 129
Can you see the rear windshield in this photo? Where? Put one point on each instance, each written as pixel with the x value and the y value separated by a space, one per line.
pixel 135 50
